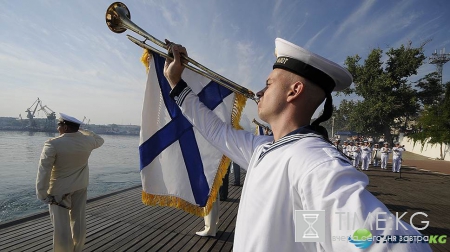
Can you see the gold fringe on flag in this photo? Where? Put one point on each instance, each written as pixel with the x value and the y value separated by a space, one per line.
pixel 174 201
pixel 145 59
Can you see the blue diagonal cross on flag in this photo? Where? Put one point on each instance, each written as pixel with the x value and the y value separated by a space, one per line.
pixel 179 167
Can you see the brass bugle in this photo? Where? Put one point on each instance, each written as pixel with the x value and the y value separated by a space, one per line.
pixel 118 20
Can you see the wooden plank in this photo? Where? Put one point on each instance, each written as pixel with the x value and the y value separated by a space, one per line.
pixel 228 215
pixel 112 234
pixel 120 222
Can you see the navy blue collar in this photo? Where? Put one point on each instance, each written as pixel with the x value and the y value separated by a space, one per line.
pixel 304 131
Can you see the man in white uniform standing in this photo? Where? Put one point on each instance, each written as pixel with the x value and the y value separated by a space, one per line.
pixel 356 150
pixel 350 149
pixel 365 156
pixel 295 169
pixel 384 155
pixel 397 152
pixel 62 180
pixel 344 148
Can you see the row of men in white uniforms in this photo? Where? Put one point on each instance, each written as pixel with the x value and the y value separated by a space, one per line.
pixel 363 154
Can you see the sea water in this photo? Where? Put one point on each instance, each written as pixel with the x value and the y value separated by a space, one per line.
pixel 113 166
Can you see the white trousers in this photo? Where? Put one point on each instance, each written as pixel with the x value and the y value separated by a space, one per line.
pixel 356 160
pixel 384 159
pixel 396 164
pixel 212 219
pixel 69 226
pixel 365 162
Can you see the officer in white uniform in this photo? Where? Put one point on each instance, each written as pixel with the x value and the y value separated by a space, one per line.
pixel 295 169
pixel 397 152
pixel 350 149
pixel 356 151
pixel 62 180
pixel 385 155
pixel 344 148
pixel 365 156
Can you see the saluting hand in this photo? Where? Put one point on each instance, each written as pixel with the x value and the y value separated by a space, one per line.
pixel 174 68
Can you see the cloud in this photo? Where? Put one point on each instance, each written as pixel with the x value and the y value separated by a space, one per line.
pixel 311 41
pixel 356 17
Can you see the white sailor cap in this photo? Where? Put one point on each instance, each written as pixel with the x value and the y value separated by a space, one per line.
pixel 69 119
pixel 325 73
pixel 322 72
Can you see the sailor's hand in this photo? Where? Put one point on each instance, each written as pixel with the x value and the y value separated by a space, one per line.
pixel 174 68
pixel 48 200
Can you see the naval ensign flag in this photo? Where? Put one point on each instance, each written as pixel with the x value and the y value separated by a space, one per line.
pixel 179 168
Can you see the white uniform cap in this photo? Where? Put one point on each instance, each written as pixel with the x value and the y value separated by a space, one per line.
pixel 67 118
pixel 325 73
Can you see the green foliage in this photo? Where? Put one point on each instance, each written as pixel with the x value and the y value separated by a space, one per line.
pixel 341 120
pixel 434 122
pixel 388 98
pixel 429 89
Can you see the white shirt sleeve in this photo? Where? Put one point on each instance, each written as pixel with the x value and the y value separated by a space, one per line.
pixel 238 145
pixel 46 162
pixel 98 140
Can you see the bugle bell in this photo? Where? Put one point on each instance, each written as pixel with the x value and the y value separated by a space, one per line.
pixel 118 20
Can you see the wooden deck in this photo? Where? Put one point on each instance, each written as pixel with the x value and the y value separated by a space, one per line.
pixel 120 222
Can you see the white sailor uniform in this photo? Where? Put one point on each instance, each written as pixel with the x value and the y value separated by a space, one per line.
pixel 365 156
pixel 344 149
pixel 300 171
pixel 63 173
pixel 384 156
pixel 350 150
pixel 356 150
pixel 397 153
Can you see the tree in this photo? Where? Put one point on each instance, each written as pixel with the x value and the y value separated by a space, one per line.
pixel 340 120
pixel 388 98
pixel 434 122
pixel 429 89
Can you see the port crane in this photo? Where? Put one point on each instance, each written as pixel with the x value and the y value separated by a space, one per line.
pixel 86 124
pixel 30 114
pixel 50 122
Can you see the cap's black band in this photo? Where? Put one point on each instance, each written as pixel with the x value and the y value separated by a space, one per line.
pixel 309 72
pixel 71 123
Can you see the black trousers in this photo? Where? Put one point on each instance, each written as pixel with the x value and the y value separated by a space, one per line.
pixel 223 190
pixel 237 174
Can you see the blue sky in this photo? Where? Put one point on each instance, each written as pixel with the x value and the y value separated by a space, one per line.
pixel 63 52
